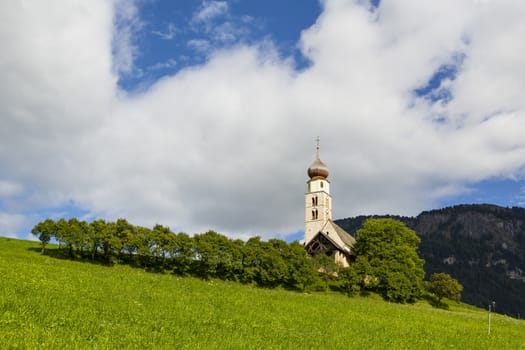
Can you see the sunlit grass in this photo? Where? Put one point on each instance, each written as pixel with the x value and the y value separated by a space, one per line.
pixel 51 303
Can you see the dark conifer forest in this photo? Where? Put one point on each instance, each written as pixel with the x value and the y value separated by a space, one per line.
pixel 480 245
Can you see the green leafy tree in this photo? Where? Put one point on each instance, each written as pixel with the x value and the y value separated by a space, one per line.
pixel 164 239
pixel 132 245
pixel 143 239
pixel 233 266
pixel 251 260
pixel 275 267
pixel 444 286
pixel 327 268
pixel 83 241
pixel 110 242
pixel 302 273
pixel 95 236
pixel 76 235
pixel 182 253
pixel 44 230
pixel 63 234
pixel 216 256
pixel 387 261
pixel 122 237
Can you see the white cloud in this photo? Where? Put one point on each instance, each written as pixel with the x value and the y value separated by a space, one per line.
pixel 210 10
pixel 170 63
pixel 9 188
pixel 228 32
pixel 216 28
pixel 199 45
pixel 11 224
pixel 126 24
pixel 169 34
pixel 225 145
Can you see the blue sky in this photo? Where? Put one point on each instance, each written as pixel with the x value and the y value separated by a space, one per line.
pixel 174 37
pixel 203 114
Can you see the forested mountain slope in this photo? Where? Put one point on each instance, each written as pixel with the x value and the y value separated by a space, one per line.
pixel 482 245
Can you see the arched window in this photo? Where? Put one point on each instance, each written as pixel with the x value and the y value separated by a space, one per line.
pixel 313 201
pixel 313 214
pixel 322 184
pixel 316 214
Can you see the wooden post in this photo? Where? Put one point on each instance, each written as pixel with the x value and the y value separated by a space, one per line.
pixel 489 319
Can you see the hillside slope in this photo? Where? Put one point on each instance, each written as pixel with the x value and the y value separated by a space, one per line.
pixel 48 303
pixel 483 246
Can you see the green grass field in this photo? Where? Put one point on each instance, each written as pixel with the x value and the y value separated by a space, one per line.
pixel 48 303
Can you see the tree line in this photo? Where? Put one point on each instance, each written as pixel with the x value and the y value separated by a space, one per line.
pixel 270 263
pixel 386 257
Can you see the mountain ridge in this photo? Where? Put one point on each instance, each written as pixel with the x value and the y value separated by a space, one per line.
pixel 481 245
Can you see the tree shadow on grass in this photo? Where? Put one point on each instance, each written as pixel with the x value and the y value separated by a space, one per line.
pixel 435 302
pixel 62 254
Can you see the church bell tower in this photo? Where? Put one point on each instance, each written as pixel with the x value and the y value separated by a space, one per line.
pixel 318 202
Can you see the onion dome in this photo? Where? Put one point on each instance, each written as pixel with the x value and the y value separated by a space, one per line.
pixel 318 168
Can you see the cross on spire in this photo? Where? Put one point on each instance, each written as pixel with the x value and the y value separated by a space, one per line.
pixel 317 153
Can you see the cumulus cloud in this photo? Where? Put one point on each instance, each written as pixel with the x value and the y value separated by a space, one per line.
pixel 225 145
pixel 10 224
pixel 126 23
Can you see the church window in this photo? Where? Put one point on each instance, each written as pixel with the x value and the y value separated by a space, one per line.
pixel 313 214
pixel 321 184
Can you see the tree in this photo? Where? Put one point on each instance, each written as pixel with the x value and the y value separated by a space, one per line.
pixel 275 266
pixel 216 256
pixel 122 236
pixel 95 236
pixel 387 261
pixel 109 241
pixel 444 286
pixel 144 243
pixel 77 235
pixel 164 239
pixel 327 268
pixel 251 259
pixel 62 234
pixel 182 253
pixel 45 230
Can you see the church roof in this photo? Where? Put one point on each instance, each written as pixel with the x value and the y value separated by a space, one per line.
pixel 324 236
pixel 347 239
pixel 318 168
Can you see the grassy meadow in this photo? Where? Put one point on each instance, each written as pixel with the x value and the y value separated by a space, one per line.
pixel 48 303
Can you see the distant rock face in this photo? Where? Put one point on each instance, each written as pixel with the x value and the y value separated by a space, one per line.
pixel 482 246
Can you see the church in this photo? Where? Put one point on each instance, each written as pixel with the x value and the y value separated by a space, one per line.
pixel 321 234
